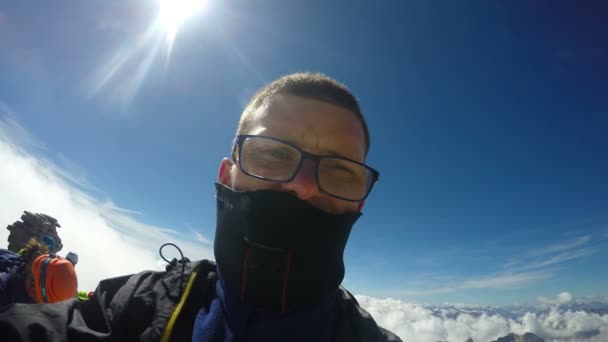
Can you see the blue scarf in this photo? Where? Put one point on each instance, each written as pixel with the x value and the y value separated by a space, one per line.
pixel 229 320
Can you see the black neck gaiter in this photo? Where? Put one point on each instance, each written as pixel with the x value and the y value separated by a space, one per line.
pixel 277 252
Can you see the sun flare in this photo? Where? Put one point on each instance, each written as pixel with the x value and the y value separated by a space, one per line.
pixel 173 13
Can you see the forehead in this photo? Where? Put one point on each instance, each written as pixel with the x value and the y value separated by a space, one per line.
pixel 315 126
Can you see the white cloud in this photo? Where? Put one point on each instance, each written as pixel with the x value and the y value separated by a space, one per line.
pixel 564 297
pixel 11 132
pixel 423 324
pixel 505 280
pixel 555 259
pixel 525 270
pixel 73 173
pixel 559 299
pixel 416 323
pixel 425 292
pixel 567 245
pixel 551 255
pixel 109 240
pixel 197 235
pixel 508 280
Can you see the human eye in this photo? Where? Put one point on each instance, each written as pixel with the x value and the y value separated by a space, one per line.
pixel 338 168
pixel 278 154
pixel 343 170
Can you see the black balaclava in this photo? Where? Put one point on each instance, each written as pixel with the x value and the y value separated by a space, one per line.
pixel 278 252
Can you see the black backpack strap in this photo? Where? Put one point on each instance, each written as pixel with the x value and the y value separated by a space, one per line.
pixel 200 294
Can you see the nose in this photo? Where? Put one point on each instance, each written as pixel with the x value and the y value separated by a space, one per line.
pixel 304 184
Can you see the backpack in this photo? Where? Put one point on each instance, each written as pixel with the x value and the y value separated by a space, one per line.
pixel 11 266
pixel 9 260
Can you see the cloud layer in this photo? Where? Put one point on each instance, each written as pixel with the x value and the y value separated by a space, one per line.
pixel 425 324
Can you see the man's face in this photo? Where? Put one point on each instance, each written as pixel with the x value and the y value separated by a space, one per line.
pixel 314 126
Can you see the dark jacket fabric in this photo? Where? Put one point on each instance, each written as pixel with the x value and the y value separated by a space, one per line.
pixel 154 306
pixel 12 287
pixel 12 279
pixel 228 319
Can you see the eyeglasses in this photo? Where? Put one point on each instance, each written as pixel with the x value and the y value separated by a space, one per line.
pixel 275 160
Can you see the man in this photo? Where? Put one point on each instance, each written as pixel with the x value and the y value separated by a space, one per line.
pixel 286 202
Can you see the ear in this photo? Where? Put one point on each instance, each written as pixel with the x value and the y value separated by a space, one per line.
pixel 360 206
pixel 225 173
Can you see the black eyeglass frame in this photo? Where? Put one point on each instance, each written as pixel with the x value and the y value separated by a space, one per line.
pixel 238 143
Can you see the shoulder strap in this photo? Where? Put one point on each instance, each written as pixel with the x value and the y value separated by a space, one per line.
pixel 42 281
pixel 198 293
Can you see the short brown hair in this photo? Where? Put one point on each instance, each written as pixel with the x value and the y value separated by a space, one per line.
pixel 32 250
pixel 308 85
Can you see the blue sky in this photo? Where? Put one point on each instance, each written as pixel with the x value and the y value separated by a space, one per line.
pixel 488 122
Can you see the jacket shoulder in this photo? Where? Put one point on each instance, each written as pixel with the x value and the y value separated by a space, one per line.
pixel 139 306
pixel 356 324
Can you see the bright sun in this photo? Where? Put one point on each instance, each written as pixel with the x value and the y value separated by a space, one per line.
pixel 173 13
